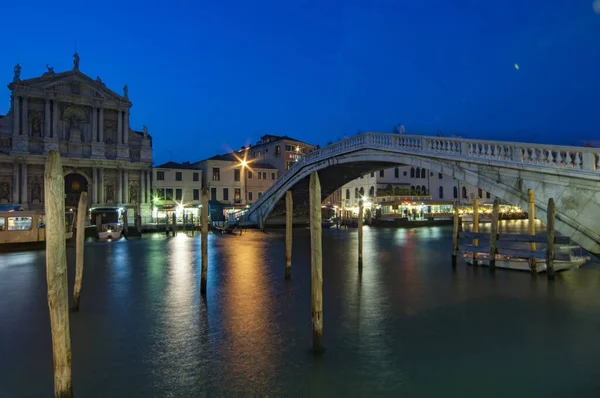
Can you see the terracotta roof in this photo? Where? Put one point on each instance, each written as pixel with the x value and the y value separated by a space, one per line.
pixel 175 165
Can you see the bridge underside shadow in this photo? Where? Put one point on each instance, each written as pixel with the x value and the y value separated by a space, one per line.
pixel 332 178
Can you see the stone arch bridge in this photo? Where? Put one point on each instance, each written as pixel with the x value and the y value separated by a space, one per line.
pixel 570 175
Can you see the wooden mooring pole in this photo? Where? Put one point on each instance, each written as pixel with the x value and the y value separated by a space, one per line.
pixel 204 238
pixel 494 234
pixel 289 213
pixel 56 274
pixel 98 223
pixel 174 224
pixel 551 236
pixel 455 235
pixel 475 230
pixel 79 247
pixel 316 263
pixel 360 234
pixel 531 227
pixel 125 223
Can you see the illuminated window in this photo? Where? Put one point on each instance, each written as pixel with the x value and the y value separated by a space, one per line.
pixel 168 194
pixel 216 174
pixel 19 223
pixel 2 223
pixel 237 195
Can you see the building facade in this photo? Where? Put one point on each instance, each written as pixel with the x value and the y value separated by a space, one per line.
pixel 404 188
pixel 89 125
pixel 176 190
pixel 234 182
pixel 280 152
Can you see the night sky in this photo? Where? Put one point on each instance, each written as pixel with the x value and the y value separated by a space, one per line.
pixel 211 75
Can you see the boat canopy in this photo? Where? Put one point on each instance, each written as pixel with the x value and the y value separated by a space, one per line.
pixel 10 208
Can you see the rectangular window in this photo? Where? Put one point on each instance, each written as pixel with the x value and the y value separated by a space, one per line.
pixel 216 174
pixel 225 194
pixel 289 148
pixel 249 197
pixel 19 223
pixel 178 176
pixel 278 151
pixel 196 177
pixel 259 194
pixel 160 192
pixel 213 194
pixel 381 173
pixel 290 164
pixel 178 194
pixel 196 194
pixel 259 174
pixel 160 175
pixel 440 176
pixel 236 174
pixel 272 176
pixel 2 223
pixel 249 174
pixel 168 194
pixel 488 195
pixel 372 174
pixel 237 195
pixel 264 175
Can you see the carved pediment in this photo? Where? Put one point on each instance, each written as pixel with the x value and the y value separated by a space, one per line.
pixel 72 82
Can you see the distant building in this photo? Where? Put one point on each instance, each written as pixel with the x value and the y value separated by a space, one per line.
pixel 402 187
pixel 176 190
pixel 279 151
pixel 233 183
pixel 85 121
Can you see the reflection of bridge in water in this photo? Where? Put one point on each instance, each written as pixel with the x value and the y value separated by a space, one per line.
pixel 570 175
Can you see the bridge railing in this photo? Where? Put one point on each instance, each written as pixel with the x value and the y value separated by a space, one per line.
pixel 586 159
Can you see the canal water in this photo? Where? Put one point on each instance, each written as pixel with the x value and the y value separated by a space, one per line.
pixel 408 325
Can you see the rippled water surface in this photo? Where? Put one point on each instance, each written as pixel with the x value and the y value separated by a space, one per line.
pixel 407 325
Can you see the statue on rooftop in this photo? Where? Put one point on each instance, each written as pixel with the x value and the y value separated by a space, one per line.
pixel 76 61
pixel 50 68
pixel 125 91
pixel 17 73
pixel 145 129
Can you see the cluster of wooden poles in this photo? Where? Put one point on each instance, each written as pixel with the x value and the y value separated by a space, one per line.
pixel 494 236
pixel 56 267
pixel 316 258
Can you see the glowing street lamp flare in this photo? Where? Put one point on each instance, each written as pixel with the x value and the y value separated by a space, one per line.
pixel 244 163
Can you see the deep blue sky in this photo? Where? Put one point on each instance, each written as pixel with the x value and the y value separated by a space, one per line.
pixel 208 75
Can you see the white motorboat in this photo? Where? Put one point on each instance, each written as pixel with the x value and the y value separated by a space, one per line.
pixel 111 231
pixel 565 259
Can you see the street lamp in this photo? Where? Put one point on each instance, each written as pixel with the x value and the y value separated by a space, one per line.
pixel 243 163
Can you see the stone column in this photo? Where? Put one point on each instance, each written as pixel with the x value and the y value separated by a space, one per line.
pixel 100 185
pixel 148 186
pixel 47 118
pixel 94 125
pixel 24 190
pixel 15 184
pixel 119 128
pixel 101 126
pixel 25 127
pixel 142 199
pixel 126 186
pixel 55 117
pixel 92 193
pixel 16 115
pixel 126 128
pixel 119 197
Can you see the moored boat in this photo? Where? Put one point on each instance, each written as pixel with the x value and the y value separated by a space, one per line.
pixel 565 259
pixel 24 230
pixel 112 231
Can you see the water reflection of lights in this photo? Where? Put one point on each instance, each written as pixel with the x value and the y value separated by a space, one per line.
pixel 246 308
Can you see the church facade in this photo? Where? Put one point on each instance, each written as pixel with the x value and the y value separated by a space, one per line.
pixel 88 124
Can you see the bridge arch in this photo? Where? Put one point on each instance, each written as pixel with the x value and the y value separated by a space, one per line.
pixel 506 171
